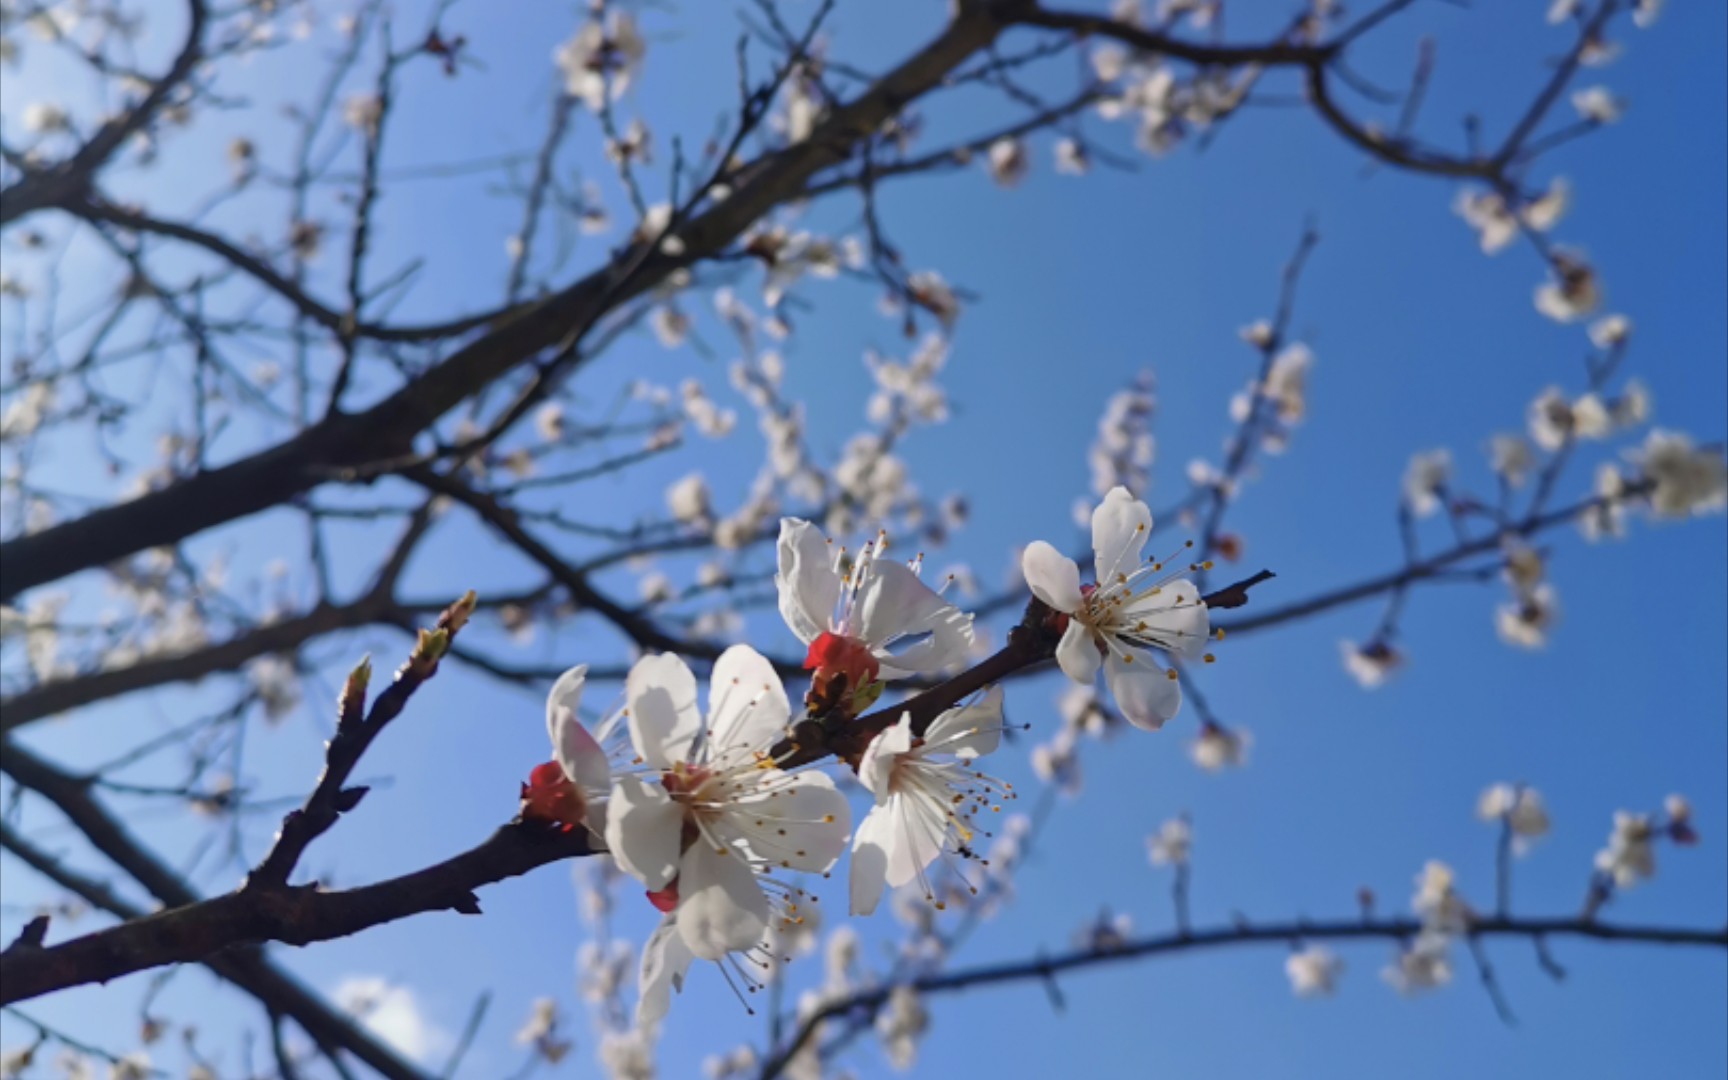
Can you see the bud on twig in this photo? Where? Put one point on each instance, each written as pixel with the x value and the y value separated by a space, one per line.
pixel 352 701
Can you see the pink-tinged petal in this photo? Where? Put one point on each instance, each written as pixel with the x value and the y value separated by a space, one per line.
pixel 809 584
pixel 1175 618
pixel 721 908
pixel 1077 654
pixel 1145 692
pixel 747 706
pixel 970 731
pixel 660 694
pixel 869 872
pixel 876 768
pixel 801 824
pixel 644 830
pixel 1052 576
pixel 665 961
pixel 893 603
pixel 1120 528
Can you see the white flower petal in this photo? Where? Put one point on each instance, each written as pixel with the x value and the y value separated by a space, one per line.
pixel 876 768
pixel 808 583
pixel 970 731
pixel 574 748
pixel 1052 576
pixel 665 960
pixel 1077 653
pixel 893 603
pixel 747 706
pixel 919 827
pixel 660 694
pixel 721 909
pixel 566 694
pixel 1175 618
pixel 1145 692
pixel 802 826
pixel 644 830
pixel 1120 528
pixel 869 873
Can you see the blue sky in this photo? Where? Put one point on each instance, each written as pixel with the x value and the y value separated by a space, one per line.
pixel 1421 342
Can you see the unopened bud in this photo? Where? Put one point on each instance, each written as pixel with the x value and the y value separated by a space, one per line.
pixel 456 616
pixel 353 699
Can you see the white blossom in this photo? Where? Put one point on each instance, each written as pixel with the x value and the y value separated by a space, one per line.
pixel 1071 157
pixel 363 112
pixel 45 118
pixel 1134 608
pixel 1425 964
pixel 1526 620
pixel 707 813
pixel 1218 747
pixel 1610 331
pixel 1630 856
pixel 1426 480
pixel 926 798
pixel 1573 292
pixel 901 1024
pixel 276 681
pixel 1313 971
pixel 1437 902
pixel 23 416
pixel 1511 458
pixel 1058 761
pixel 868 599
pixel 689 501
pixel 1688 480
pixel 1606 518
pixel 1554 421
pixel 1598 105
pixel 627 1055
pixel 602 59
pixel 1171 844
pixel 1520 807
pixel 1008 161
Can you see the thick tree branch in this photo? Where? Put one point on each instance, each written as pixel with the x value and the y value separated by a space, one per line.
pixel 343 447
pixel 295 915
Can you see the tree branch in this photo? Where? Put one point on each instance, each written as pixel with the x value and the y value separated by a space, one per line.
pixel 1043 968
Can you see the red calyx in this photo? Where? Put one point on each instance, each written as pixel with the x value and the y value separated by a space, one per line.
pixel 664 900
pixel 549 795
pixel 833 654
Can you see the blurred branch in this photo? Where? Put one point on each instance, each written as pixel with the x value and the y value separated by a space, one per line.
pixel 1397 930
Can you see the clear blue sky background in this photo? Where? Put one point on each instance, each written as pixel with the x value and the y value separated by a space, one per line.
pixel 1421 341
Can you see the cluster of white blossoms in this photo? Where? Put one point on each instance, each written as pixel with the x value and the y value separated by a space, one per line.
pixel 1281 397
pixel 1123 452
pixel 1669 476
pixel 1497 222
pixel 1165 107
pixel 1425 962
pixel 1630 854
pixel 711 808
